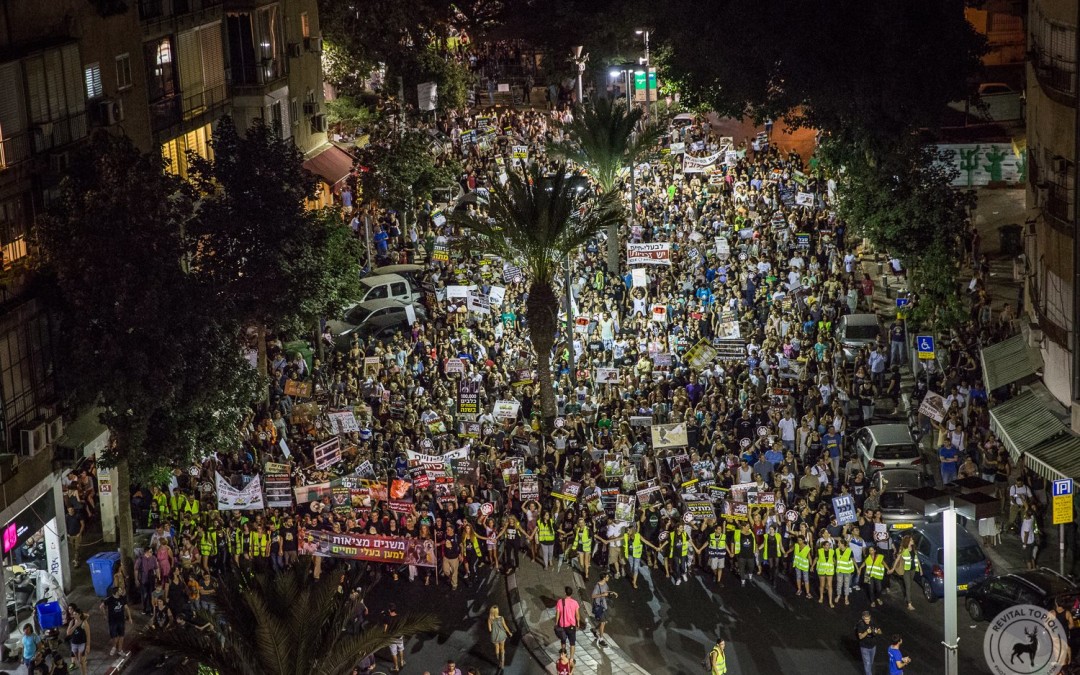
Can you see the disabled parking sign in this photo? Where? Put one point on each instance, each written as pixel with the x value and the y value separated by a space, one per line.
pixel 924 345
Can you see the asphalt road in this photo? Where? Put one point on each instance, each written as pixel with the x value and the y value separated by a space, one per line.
pixel 671 628
pixel 463 633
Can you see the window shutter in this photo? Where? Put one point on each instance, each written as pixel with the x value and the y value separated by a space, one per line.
pixel 38 92
pixel 212 56
pixel 54 84
pixel 74 92
pixel 191 76
pixel 11 119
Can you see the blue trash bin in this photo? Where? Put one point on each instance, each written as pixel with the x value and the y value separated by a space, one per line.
pixel 102 567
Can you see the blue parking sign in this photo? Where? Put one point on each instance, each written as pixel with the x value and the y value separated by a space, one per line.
pixel 1063 487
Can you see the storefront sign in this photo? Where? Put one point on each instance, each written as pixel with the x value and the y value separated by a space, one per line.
pixel 29 522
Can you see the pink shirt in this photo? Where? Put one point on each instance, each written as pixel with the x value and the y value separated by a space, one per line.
pixel 567 610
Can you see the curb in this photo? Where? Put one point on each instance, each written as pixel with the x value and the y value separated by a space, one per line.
pixel 530 639
pixel 118 665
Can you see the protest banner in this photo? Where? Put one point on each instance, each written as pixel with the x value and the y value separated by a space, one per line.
pixel 669 435
pixel 693 164
pixel 505 410
pixel 607 376
pixel 369 547
pixel 656 253
pixel 343 422
pixel 468 397
pixel 701 355
pixel 278 486
pixel 933 406
pixel 327 454
pixel 700 509
pixel 624 508
pixel 231 499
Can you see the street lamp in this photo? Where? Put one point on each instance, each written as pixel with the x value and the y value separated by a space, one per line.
pixel 644 32
pixel 579 60
pixel 948 508
pixel 626 69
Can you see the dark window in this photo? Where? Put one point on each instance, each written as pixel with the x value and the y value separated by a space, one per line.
pixel 242 61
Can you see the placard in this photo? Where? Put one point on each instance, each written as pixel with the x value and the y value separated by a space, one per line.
pixel 297 388
pixel 657 253
pixel 639 278
pixel 699 510
pixel 669 435
pixel 327 454
pixel 641 420
pixel 933 406
pixel 278 487
pixel 343 422
pixel 505 410
pixel 701 355
pixel 624 508
pixel 566 490
pixel 230 499
pixel 454 365
pixel 844 509
pixel 468 397
pixel 530 488
pixel 804 199
pixel 371 547
pixel 607 376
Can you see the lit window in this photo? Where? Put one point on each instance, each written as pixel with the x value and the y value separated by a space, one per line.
pixel 92 74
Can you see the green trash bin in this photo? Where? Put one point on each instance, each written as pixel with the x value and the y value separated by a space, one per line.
pixel 1011 240
pixel 303 347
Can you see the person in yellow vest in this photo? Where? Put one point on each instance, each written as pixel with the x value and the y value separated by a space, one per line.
pixel 583 542
pixel 717 550
pixel 161 499
pixel 633 547
pixel 260 548
pixel 718 658
pixel 875 572
pixel 177 502
pixel 208 545
pixel 907 565
pixel 773 554
pixel 545 536
pixel 845 569
pixel 800 560
pixel 825 565
pixel 679 545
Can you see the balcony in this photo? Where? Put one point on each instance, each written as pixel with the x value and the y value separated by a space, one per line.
pixel 15 150
pixel 257 80
pixel 153 10
pixel 1056 77
pixel 1059 208
pixel 58 133
pixel 179 113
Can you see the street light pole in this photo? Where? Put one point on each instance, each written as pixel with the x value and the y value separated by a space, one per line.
pixel 633 189
pixel 580 61
pixel 951 642
pixel 648 71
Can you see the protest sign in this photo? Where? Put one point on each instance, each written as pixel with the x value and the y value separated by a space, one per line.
pixel 505 410
pixel 370 547
pixel 669 435
pixel 530 488
pixel 844 509
pixel 701 355
pixel 343 422
pixel 327 454
pixel 566 490
pixel 657 253
pixel 278 488
pixel 607 375
pixel 624 508
pixel 454 365
pixel 298 389
pixel 231 499
pixel 468 398
pixel 933 406
pixel 700 509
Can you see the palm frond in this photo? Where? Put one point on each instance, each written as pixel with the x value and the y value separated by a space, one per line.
pixel 350 649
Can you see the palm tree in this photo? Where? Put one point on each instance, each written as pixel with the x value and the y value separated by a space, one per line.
pixel 278 624
pixel 536 219
pixel 605 138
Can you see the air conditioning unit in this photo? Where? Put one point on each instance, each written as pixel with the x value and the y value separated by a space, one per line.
pixel 1059 164
pixel 318 122
pixel 54 429
pixel 108 112
pixel 33 440
pixel 295 50
pixel 313 44
pixel 311 108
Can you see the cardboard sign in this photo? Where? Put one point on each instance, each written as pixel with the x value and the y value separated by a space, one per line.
pixel 298 389
pixel 648 254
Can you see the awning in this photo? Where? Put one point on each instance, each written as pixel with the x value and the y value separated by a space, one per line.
pixel 332 164
pixel 1007 361
pixel 1022 423
pixel 1057 458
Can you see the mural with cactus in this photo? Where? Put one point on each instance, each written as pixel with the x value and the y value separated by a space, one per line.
pixel 980 164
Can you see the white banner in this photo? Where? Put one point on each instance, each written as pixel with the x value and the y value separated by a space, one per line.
pixel 699 164
pixel 607 375
pixel 231 499
pixel 804 198
pixel 669 435
pixel 639 278
pixel 496 295
pixel 657 253
pixel 505 410
pixel 477 302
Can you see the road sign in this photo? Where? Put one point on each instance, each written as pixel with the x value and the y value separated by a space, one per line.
pixel 902 302
pixel 1063 503
pixel 924 345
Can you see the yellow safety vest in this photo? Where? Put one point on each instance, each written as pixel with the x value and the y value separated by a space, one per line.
pixel 545 533
pixel 719 664
pixel 802 557
pixel 911 560
pixel 875 566
pixel 844 563
pixel 208 543
pixel 632 550
pixel 260 544
pixel 765 552
pixel 684 544
pixel 584 539
pixel 738 542
pixel 718 542
pixel 825 566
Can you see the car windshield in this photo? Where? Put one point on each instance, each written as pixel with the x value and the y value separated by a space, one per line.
pixel 969 555
pixel 864 332
pixel 357 316
pixel 891 500
pixel 906 451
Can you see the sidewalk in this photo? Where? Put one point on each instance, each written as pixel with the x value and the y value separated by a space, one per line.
pixel 533 592
pixel 82 594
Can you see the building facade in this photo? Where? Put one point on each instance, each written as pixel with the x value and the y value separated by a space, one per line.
pixel 1051 138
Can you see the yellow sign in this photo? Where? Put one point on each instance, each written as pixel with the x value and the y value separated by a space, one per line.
pixel 1063 511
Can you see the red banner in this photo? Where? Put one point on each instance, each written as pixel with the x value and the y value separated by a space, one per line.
pixel 375 548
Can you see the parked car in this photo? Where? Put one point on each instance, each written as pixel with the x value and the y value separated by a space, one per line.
pixel 377 318
pixel 1042 587
pixel 887 446
pixel 389 287
pixel 972 565
pixel 855 331
pixel 893 484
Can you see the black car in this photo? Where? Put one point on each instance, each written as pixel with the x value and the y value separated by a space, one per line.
pixel 1041 587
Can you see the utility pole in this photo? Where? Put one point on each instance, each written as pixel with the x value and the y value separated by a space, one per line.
pixel 570 327
pixel 580 60
pixel 1076 236
pixel 648 71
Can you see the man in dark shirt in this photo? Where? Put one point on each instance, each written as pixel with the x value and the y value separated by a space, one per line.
pixel 118 614
pixel 75 526
pixel 451 556
pixel 867 631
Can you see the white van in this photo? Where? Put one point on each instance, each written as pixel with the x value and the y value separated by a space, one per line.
pixel 389 287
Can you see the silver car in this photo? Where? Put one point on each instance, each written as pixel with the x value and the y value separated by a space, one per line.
pixel 855 331
pixel 893 484
pixel 887 446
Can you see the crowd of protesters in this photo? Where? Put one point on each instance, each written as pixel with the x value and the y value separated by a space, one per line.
pixel 772 417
